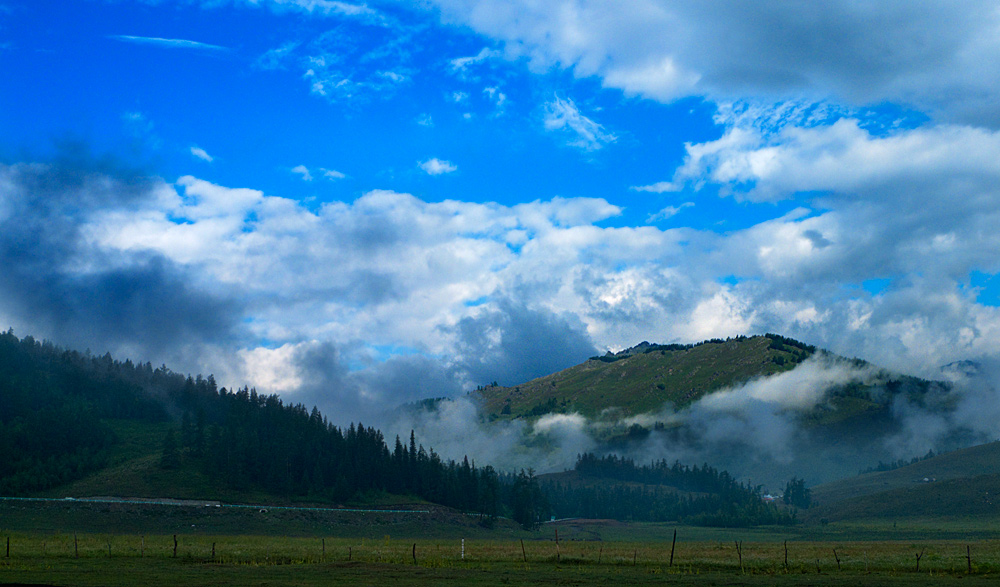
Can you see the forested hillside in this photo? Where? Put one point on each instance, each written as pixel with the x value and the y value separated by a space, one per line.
pixel 54 404
pixel 59 410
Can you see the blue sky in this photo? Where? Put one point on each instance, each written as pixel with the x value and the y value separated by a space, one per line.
pixel 407 199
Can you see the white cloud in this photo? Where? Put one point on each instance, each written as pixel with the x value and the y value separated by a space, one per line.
pixel 332 174
pixel 302 171
pixel 563 115
pixel 168 43
pixel 658 187
pixel 437 166
pixel 930 55
pixel 201 154
pixel 278 57
pixel 460 64
pixel 497 98
pixel 668 212
pixel 325 8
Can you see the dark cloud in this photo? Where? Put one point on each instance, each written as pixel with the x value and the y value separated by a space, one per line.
pixel 56 283
pixel 513 344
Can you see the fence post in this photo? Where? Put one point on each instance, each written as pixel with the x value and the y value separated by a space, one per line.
pixel 175 546
pixel 739 553
pixel 524 554
pixel 76 546
pixel 672 545
pixel 968 557
pixel 414 553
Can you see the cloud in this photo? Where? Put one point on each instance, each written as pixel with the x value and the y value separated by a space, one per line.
pixel 355 305
pixel 668 212
pixel 930 57
pixel 497 98
pixel 168 43
pixel 302 171
pixel 59 282
pixel 319 8
pixel 277 58
pixel 141 130
pixel 506 344
pixel 437 166
pixel 332 174
pixel 563 115
pixel 201 154
pixel 658 187
pixel 461 64
pixel 326 7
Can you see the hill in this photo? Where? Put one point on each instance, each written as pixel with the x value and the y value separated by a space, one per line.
pixel 649 377
pixel 87 426
pixel 964 482
pixel 646 377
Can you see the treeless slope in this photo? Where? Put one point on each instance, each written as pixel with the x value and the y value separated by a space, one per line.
pixel 645 378
pixel 962 482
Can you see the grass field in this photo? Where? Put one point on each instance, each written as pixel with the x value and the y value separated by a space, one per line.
pixel 109 559
pixel 76 543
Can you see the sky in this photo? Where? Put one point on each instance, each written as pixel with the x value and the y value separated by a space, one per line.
pixel 357 205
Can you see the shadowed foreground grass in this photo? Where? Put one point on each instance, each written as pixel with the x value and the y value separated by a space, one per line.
pixel 51 559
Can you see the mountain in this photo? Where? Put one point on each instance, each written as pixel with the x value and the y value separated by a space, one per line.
pixel 762 407
pixel 646 377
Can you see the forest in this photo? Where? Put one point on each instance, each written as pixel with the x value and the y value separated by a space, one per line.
pixel 55 405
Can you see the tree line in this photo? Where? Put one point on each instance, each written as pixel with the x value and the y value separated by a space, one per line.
pixel 615 487
pixel 55 405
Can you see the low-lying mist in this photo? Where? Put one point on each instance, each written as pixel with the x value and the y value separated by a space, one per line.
pixel 766 430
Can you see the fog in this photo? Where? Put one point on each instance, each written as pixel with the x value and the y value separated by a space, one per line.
pixel 759 431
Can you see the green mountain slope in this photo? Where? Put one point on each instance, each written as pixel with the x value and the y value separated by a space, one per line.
pixel 644 378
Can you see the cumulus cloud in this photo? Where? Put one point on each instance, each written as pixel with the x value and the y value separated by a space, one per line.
pixel 332 174
pixel 512 344
pixel 60 282
pixel 931 57
pixel 435 166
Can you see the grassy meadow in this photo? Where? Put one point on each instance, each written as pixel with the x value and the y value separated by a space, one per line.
pixel 111 559
pixel 79 543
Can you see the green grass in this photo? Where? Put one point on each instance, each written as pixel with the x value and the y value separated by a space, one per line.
pixel 960 485
pixel 643 382
pixel 275 561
